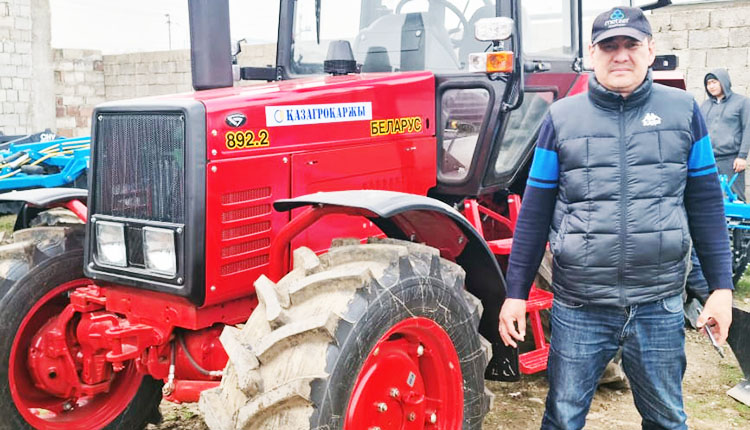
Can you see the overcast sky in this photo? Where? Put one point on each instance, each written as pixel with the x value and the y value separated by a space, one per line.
pixel 118 26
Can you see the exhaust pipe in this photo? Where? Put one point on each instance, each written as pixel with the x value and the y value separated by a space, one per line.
pixel 210 44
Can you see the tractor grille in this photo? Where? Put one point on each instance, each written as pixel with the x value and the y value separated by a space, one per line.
pixel 140 173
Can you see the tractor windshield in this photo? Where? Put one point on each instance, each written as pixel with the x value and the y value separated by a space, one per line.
pixel 389 35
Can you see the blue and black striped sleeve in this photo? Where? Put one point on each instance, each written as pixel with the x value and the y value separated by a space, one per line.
pixel 532 226
pixel 704 203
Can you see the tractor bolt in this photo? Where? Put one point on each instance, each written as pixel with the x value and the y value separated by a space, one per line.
pixel 420 350
pixel 285 160
pixel 412 416
pixel 382 407
pixel 179 280
pixel 213 169
pixel 214 152
pixel 214 133
pixel 100 117
pixel 394 393
pixel 433 418
pixel 67 406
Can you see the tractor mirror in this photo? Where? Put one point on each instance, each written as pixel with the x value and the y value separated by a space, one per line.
pixel 490 29
pixel 650 4
pixel 210 44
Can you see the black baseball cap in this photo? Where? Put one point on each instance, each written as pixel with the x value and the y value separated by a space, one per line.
pixel 620 21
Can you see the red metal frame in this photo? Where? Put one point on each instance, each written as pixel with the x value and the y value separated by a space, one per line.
pixel 78 208
pixel 280 246
pixel 411 379
pixel 536 359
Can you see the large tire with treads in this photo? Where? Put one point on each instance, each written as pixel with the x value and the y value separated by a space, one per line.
pixel 37 271
pixel 296 362
pixel 739 240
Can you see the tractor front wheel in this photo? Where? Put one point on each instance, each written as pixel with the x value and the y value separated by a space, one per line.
pixel 39 270
pixel 378 335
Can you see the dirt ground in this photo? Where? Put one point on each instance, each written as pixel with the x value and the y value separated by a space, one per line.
pixel 519 405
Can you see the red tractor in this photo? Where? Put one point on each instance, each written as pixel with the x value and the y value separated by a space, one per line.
pixel 203 265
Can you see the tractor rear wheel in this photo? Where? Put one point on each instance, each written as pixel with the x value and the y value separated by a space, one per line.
pixel 38 271
pixel 740 244
pixel 378 335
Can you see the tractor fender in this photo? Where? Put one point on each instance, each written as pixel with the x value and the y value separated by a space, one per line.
pixel 30 203
pixel 396 210
pixel 434 223
pixel 44 197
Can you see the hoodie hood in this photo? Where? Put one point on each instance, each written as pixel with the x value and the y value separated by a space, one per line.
pixel 723 77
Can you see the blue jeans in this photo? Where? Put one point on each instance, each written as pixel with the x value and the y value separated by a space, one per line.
pixel 584 338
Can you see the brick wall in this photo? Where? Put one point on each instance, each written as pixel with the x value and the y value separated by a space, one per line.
pixel 15 65
pixel 706 36
pixel 146 74
pixel 41 87
pixel 84 79
pixel 79 86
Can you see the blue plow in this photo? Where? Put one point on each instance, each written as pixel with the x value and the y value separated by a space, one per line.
pixel 54 163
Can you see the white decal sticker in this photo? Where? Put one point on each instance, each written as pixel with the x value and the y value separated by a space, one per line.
pixel 277 116
pixel 411 379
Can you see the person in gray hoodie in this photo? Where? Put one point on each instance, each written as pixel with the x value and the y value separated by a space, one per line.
pixel 728 119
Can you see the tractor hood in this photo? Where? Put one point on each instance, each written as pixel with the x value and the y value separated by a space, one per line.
pixel 290 115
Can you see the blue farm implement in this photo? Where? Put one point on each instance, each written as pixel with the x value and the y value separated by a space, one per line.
pixel 738 222
pixel 53 163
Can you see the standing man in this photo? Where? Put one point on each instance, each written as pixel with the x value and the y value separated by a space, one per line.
pixel 728 119
pixel 623 184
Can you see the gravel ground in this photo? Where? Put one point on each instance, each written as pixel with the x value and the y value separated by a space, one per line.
pixel 519 405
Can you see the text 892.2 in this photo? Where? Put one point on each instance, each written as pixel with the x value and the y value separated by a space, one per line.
pixel 246 139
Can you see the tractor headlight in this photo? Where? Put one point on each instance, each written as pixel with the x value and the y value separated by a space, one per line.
pixel 159 250
pixel 110 243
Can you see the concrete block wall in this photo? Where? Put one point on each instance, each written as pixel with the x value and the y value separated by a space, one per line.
pixel 79 86
pixel 146 74
pixel 706 36
pixel 25 66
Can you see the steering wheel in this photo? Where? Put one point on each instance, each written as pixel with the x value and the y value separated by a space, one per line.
pixel 462 24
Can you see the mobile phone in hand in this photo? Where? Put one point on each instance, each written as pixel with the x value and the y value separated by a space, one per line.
pixel 717 347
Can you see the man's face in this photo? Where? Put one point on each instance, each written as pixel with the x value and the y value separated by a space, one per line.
pixel 621 62
pixel 714 88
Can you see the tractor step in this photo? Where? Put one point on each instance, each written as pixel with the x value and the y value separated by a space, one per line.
pixel 538 299
pixel 533 361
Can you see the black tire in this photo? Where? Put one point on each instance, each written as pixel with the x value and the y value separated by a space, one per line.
pixel 39 261
pixel 295 362
pixel 740 244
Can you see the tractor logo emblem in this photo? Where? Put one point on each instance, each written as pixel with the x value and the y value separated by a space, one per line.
pixel 651 119
pixel 617 14
pixel 236 120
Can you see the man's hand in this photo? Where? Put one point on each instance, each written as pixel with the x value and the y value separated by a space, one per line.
pixel 717 314
pixel 739 164
pixel 512 312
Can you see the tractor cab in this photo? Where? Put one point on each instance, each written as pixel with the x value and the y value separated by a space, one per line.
pixel 486 118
